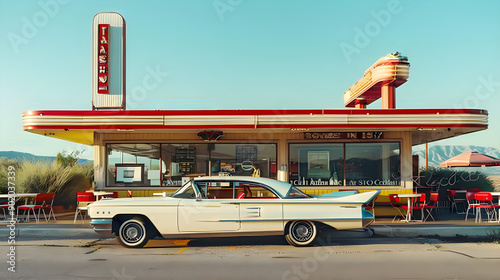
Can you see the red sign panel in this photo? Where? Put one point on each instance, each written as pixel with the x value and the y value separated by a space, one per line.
pixel 103 59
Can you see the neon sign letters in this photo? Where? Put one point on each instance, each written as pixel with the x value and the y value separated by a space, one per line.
pixel 103 59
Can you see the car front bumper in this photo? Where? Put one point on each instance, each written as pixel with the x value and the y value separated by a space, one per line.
pixel 102 226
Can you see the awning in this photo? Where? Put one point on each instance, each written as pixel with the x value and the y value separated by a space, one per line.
pixel 471 158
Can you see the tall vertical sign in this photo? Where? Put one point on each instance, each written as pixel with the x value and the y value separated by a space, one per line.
pixel 103 57
pixel 108 61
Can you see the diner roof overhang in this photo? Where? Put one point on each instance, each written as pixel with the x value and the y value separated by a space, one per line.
pixel 426 125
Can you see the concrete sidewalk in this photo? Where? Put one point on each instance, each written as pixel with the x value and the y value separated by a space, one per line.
pixel 65 228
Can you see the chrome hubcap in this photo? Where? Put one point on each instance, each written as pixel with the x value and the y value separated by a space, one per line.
pixel 132 233
pixel 302 231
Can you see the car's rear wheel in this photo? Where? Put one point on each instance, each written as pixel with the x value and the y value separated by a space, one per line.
pixel 134 233
pixel 301 233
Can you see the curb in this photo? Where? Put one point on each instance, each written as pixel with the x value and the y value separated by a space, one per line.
pixel 435 231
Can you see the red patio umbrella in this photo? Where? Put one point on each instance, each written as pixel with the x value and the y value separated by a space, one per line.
pixel 470 158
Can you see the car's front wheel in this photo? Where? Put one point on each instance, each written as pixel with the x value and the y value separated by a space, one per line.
pixel 134 233
pixel 301 233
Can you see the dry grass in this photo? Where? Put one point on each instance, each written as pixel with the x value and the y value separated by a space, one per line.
pixel 496 182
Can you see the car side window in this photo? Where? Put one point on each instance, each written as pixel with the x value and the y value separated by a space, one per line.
pixel 251 190
pixel 216 189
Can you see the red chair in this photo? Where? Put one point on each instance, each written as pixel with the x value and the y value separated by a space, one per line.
pixel 48 201
pixel 455 199
pixel 38 202
pixel 83 199
pixel 485 201
pixel 432 204
pixel 394 199
pixel 4 205
pixel 471 203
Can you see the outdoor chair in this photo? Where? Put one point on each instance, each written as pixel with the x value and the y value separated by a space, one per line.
pixel 83 199
pixel 48 201
pixel 455 199
pixel 420 204
pixel 4 205
pixel 432 204
pixel 471 203
pixel 485 201
pixel 394 199
pixel 38 202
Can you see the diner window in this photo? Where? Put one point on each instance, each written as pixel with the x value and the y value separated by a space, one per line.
pixel 372 164
pixel 316 164
pixel 172 164
pixel 133 165
pixel 194 160
pixel 363 164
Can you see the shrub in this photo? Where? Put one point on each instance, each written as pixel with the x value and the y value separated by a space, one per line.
pixel 4 180
pixel 455 179
pixel 441 179
pixel 45 177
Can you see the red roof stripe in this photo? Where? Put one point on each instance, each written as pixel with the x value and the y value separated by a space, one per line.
pixel 254 112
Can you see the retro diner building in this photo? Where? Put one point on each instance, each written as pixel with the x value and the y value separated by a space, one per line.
pixel 317 149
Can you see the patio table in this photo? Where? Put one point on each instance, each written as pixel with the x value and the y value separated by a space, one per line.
pixel 18 196
pixel 98 194
pixel 411 198
pixel 26 196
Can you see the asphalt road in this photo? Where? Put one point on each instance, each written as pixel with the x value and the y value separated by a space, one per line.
pixel 252 258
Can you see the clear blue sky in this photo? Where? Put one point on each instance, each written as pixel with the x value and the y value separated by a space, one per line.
pixel 245 54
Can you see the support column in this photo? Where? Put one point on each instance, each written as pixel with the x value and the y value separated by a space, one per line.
pixel 360 104
pixel 99 162
pixel 388 96
pixel 282 161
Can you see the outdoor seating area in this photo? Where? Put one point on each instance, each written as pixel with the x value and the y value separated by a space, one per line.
pixel 33 206
pixel 422 207
pixel 83 199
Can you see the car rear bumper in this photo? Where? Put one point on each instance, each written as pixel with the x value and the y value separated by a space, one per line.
pixel 102 226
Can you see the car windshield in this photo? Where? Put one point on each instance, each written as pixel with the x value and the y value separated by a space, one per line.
pixel 296 193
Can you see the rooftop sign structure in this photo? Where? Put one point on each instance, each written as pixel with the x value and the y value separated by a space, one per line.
pixel 379 81
pixel 108 61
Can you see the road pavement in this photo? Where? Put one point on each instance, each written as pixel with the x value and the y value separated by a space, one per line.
pixel 440 250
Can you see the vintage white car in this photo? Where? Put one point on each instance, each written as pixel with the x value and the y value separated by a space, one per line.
pixel 231 206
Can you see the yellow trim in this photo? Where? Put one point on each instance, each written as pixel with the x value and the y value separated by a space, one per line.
pixel 143 193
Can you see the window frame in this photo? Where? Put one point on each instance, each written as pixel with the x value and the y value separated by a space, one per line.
pixel 344 144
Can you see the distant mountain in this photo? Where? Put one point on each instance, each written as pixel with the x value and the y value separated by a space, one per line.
pixel 438 154
pixel 30 157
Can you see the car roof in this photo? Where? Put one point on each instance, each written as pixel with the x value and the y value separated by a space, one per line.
pixel 279 186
